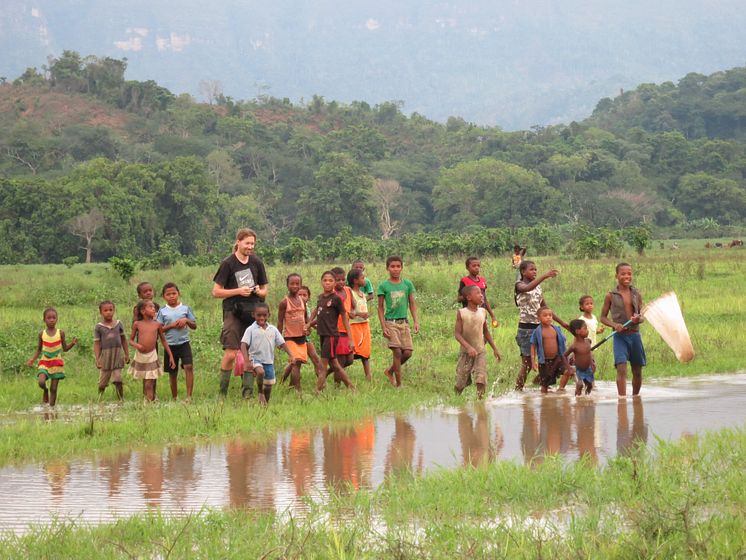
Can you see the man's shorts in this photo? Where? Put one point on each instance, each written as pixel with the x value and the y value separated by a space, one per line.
pixel 269 374
pixel 343 345
pixel 399 334
pixel 585 375
pixel 109 376
pixel 329 347
pixel 629 348
pixel 182 353
pixel 523 339
pixel 233 329
pixel 468 366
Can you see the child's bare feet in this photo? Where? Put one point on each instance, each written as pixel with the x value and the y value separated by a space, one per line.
pixel 262 399
pixel 390 377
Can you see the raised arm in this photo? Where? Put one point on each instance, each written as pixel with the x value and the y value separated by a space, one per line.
pixel 528 286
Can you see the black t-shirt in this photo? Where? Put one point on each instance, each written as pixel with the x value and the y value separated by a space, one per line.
pixel 329 308
pixel 233 274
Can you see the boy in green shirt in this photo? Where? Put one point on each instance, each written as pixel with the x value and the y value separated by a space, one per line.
pixel 395 301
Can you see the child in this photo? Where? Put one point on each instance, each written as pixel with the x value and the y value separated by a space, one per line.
pixel 580 348
pixel 258 351
pixel 329 309
pixel 518 254
pixel 291 322
pixel 395 299
pixel 624 303
pixel 474 265
pixel 50 347
pixel 368 289
pixel 586 306
pixel 145 292
pixel 548 346
pixel 345 355
pixel 529 297
pixel 147 331
pixel 305 294
pixel 359 324
pixel 177 318
pixel 110 349
pixel 471 334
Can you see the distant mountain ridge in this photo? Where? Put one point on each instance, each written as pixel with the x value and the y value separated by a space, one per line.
pixel 508 64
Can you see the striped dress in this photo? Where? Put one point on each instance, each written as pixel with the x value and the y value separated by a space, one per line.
pixel 51 363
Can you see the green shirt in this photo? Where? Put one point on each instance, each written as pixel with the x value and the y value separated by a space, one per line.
pixel 396 297
pixel 368 288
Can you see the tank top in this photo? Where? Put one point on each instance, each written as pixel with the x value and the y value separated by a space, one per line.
pixel 361 306
pixel 51 353
pixel 295 318
pixel 347 302
pixel 472 323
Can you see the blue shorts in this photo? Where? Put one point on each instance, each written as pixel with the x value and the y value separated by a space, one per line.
pixel 629 348
pixel 585 375
pixel 269 374
pixel 523 339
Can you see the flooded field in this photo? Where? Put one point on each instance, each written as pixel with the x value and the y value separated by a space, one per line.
pixel 294 467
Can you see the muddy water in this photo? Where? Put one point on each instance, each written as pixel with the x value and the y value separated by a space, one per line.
pixel 300 465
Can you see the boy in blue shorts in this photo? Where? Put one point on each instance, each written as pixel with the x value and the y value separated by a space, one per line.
pixel 258 349
pixel 625 303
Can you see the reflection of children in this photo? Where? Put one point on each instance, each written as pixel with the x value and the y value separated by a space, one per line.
pixel 395 301
pixel 548 347
pixel 50 347
pixel 110 349
pixel 146 332
pixel 529 297
pixel 177 318
pixel 359 325
pixel 625 303
pixel 585 368
pixel 586 306
pixel 291 322
pixel 258 349
pixel 471 333
pixel 474 265
pixel 329 309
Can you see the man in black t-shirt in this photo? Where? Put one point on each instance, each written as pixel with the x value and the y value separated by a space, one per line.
pixel 241 282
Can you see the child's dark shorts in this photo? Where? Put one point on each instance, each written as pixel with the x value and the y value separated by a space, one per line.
pixel 182 353
pixel 629 348
pixel 584 375
pixel 550 370
pixel 329 347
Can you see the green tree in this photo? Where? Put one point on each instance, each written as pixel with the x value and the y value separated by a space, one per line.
pixel 700 195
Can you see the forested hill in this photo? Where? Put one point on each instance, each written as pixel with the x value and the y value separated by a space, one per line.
pixel 699 106
pixel 91 159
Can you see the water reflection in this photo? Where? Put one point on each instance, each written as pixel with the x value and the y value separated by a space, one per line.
pixel 284 472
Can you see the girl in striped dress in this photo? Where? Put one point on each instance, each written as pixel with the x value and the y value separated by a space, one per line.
pixel 51 365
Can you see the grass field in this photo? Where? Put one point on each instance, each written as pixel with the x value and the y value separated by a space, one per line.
pixel 709 284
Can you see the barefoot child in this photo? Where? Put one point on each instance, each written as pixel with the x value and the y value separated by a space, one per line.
pixel 548 346
pixel 471 333
pixel 145 334
pixel 585 367
pixel 145 292
pixel 50 347
pixel 624 303
pixel 395 300
pixel 258 349
pixel 529 297
pixel 368 288
pixel 474 265
pixel 110 349
pixel 305 294
pixel 345 356
pixel 177 318
pixel 329 309
pixel 586 306
pixel 359 323
pixel 291 322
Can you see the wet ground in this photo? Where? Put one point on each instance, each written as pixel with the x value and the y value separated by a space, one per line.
pixel 300 465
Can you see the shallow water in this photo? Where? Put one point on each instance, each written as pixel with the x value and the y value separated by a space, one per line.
pixel 300 465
